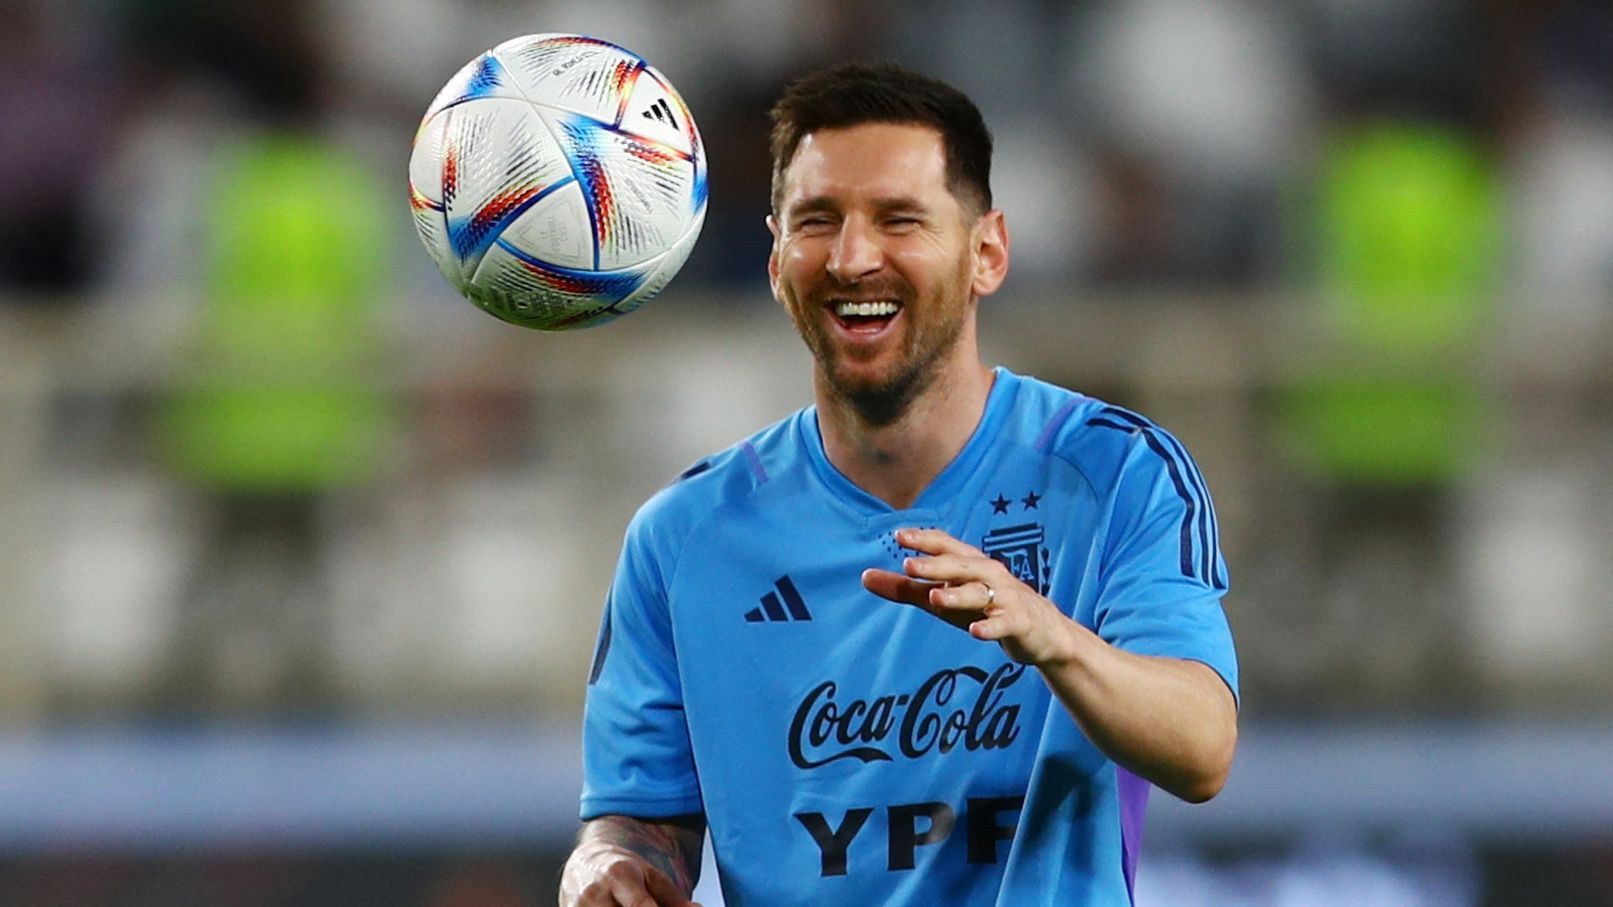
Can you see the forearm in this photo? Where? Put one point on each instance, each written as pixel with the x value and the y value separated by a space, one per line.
pixel 671 846
pixel 1171 721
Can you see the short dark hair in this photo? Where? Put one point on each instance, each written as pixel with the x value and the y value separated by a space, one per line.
pixel 851 94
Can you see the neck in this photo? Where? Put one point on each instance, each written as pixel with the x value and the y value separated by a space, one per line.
pixel 897 459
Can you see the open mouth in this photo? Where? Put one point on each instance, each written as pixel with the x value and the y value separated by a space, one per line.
pixel 865 316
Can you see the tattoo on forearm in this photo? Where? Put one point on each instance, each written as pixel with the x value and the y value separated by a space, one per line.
pixel 670 845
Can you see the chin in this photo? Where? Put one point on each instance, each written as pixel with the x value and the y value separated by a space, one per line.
pixel 878 397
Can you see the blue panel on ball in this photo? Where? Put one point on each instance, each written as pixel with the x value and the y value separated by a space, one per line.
pixel 606 286
pixel 472 236
pixel 698 192
pixel 587 162
pixel 489 75
pixel 480 79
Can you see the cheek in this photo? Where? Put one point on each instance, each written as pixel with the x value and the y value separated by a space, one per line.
pixel 800 256
pixel 800 265
pixel 791 277
pixel 921 265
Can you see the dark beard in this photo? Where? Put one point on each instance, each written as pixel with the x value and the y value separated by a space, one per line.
pixel 883 405
pixel 926 348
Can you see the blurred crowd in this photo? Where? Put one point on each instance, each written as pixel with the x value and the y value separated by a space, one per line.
pixel 1140 142
pixel 257 459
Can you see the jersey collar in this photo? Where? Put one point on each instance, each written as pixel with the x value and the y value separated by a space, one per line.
pixel 939 494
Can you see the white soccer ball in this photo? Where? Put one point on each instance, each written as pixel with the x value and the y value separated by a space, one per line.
pixel 558 181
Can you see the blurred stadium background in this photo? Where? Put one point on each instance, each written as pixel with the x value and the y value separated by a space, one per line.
pixel 301 557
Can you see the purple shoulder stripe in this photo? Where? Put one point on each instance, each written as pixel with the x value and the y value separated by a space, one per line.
pixel 1045 441
pixel 755 462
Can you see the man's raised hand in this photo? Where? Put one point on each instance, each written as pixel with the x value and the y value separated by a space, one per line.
pixel 965 587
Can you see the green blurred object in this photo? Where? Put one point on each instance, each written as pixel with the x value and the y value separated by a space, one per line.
pixel 1409 230
pixel 280 391
pixel 1369 430
pixel 1410 235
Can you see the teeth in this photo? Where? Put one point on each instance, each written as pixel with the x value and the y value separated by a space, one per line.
pixel 866 309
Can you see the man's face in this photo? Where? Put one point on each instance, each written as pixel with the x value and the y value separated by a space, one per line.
pixel 875 259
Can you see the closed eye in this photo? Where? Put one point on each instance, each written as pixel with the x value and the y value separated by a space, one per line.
pixel 813 223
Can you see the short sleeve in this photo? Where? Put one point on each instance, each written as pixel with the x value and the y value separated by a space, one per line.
pixel 1163 574
pixel 637 759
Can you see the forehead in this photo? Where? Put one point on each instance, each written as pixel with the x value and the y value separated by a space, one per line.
pixel 882 160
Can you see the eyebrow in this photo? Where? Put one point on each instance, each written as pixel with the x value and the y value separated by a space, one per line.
pixel 882 204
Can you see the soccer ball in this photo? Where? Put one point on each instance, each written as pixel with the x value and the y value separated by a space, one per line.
pixel 558 181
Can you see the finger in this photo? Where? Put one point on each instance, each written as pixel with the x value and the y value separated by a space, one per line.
pixel 988 629
pixel 666 893
pixel 896 587
pixel 638 897
pixel 903 590
pixel 630 893
pixel 603 891
pixel 631 888
pixel 954 569
pixel 933 541
pixel 950 605
pixel 1000 625
pixel 976 598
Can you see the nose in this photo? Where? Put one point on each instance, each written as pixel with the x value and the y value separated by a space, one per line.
pixel 856 252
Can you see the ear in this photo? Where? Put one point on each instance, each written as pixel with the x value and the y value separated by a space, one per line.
pixel 772 257
pixel 991 253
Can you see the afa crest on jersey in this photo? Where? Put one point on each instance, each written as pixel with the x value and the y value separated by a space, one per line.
pixel 1021 550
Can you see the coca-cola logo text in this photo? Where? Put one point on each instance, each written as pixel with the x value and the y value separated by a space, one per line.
pixel 938 716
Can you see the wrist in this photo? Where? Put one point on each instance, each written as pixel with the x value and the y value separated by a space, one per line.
pixel 1064 645
pixel 592 857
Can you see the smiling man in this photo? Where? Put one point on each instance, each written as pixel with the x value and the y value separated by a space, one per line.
pixel 932 639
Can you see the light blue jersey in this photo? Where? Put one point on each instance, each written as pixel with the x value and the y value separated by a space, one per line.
pixel 850 750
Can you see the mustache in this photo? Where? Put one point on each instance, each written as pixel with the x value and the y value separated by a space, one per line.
pixel 862 291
